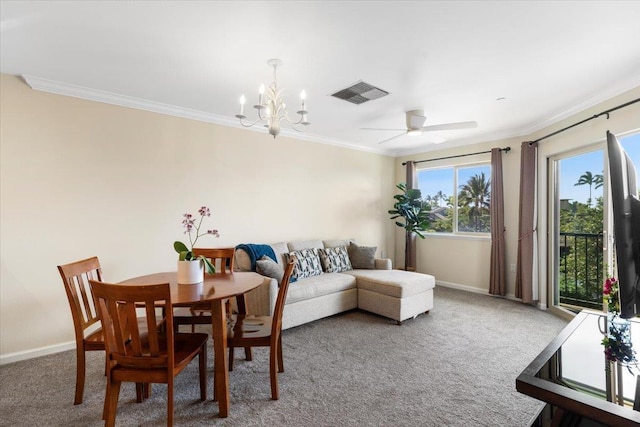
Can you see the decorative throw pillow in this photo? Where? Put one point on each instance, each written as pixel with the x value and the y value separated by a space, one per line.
pixel 362 256
pixel 268 267
pixel 307 263
pixel 335 260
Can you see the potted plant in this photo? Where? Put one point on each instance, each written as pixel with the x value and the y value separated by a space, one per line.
pixel 415 212
pixel 191 268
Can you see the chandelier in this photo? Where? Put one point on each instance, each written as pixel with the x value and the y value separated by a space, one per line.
pixel 271 108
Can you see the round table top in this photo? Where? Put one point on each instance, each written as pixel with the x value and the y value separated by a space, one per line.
pixel 214 287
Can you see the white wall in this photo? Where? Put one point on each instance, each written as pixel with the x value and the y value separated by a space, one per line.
pixel 464 263
pixel 82 178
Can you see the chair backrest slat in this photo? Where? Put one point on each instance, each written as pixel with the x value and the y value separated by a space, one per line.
pixel 75 277
pixel 118 307
pixel 276 324
pixel 221 258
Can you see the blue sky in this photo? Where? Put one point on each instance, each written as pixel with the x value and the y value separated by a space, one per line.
pixel 571 169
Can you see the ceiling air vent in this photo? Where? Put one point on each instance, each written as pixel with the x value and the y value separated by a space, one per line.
pixel 360 92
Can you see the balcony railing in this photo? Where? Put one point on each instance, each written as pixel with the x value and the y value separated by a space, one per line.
pixel 580 275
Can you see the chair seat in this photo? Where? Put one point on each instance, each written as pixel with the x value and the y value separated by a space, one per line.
pixel 94 341
pixel 263 331
pixel 249 327
pixel 186 346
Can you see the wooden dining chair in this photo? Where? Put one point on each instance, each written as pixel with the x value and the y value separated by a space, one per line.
pixel 200 314
pixel 88 333
pixel 263 331
pixel 156 356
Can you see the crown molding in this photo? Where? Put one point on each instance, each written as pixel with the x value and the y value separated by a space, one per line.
pixel 67 89
pixel 611 92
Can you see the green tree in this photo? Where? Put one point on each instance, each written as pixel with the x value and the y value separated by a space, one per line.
pixel 474 201
pixel 439 196
pixel 581 268
pixel 591 180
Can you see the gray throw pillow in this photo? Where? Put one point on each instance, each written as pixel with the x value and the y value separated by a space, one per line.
pixel 268 267
pixel 362 256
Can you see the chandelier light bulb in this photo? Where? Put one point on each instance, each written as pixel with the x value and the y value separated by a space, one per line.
pixel 242 101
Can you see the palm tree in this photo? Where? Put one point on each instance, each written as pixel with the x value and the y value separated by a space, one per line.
pixel 476 194
pixel 591 180
pixel 439 196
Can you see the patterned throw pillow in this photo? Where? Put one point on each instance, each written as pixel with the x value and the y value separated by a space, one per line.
pixel 307 263
pixel 335 260
pixel 362 256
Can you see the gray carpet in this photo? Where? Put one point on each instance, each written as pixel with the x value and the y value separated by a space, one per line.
pixel 454 367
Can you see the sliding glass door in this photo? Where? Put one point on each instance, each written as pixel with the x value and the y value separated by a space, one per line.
pixel 579 250
pixel 580 243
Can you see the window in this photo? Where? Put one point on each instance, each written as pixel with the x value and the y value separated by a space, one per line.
pixel 459 196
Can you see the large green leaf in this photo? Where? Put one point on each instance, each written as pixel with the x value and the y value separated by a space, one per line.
pixel 180 247
pixel 410 206
pixel 211 269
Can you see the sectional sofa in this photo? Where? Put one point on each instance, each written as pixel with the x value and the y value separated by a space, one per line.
pixel 396 294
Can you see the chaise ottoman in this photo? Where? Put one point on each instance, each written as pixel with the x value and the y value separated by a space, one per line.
pixel 396 294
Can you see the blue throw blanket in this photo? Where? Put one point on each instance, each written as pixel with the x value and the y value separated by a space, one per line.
pixel 256 252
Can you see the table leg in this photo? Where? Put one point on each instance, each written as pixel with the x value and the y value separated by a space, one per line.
pixel 221 372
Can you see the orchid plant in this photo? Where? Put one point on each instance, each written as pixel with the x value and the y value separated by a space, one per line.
pixel 192 229
pixel 617 342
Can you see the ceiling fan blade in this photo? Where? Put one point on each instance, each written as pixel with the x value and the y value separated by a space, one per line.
pixel 450 126
pixel 397 130
pixel 393 137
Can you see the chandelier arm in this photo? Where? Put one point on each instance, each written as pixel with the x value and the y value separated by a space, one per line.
pixel 252 124
pixel 300 121
pixel 292 124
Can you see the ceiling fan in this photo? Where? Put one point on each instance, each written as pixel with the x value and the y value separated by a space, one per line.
pixel 415 120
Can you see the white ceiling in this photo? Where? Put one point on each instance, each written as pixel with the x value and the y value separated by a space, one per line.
pixel 451 59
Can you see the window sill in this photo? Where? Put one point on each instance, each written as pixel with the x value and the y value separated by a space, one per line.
pixel 482 238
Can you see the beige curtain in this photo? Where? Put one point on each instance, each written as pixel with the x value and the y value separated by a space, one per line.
pixel 497 279
pixel 527 263
pixel 410 239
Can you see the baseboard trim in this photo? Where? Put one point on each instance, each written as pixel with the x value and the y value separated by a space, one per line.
pixel 462 287
pixel 36 352
pixel 475 290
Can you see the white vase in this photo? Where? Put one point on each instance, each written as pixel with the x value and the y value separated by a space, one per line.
pixel 190 272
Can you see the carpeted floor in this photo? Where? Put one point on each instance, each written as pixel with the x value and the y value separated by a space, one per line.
pixel 454 367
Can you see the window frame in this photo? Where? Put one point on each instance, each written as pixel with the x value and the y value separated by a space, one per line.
pixel 455 233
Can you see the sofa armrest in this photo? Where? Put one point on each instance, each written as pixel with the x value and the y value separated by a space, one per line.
pixel 382 264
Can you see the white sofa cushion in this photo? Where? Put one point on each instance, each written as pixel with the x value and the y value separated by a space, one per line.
pixel 315 286
pixel 335 243
pixel 305 244
pixel 281 249
pixel 394 283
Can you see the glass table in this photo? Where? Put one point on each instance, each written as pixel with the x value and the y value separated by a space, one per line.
pixel 579 385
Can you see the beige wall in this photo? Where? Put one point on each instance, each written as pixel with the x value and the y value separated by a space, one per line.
pixel 464 263
pixel 82 178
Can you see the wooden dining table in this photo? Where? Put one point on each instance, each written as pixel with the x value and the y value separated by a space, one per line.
pixel 215 289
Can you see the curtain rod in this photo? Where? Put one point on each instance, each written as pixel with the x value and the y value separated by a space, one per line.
pixel 506 150
pixel 586 120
